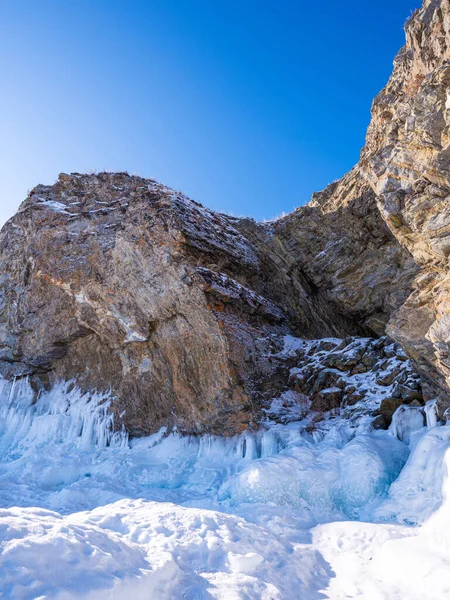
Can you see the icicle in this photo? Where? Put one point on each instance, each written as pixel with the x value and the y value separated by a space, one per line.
pixel 430 409
pixel 269 444
pixel 71 415
pixel 405 421
pixel 251 450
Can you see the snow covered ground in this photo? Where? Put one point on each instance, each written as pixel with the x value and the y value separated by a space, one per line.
pixel 344 512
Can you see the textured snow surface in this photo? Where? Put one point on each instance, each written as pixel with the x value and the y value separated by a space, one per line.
pixel 279 514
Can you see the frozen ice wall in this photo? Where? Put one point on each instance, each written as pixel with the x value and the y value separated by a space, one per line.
pixel 64 413
pixel 66 448
pixel 206 517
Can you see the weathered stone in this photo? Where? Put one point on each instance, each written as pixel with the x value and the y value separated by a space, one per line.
pixel 416 403
pixel 387 378
pixel 388 407
pixel 288 407
pixel 352 396
pixel 341 362
pixel 327 379
pixel 327 399
pixel 380 422
pixel 408 395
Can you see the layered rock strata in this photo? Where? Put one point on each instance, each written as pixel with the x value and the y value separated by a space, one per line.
pixel 377 242
pixel 120 283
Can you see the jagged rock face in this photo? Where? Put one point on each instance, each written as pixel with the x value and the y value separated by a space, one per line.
pixel 343 245
pixel 350 378
pixel 377 242
pixel 119 282
pixel 407 162
pixel 98 287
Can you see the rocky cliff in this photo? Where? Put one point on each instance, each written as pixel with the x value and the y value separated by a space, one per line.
pixel 120 283
pixel 377 242
pixel 398 279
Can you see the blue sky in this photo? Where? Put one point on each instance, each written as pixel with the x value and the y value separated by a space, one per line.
pixel 248 106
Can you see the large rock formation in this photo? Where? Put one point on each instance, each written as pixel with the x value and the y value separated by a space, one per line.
pixel 123 284
pixel 377 242
pixel 119 282
pixel 407 162
pixel 405 168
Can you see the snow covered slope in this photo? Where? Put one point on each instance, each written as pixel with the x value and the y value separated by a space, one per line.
pixel 313 508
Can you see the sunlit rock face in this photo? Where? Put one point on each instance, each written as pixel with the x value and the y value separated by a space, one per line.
pixel 125 285
pixel 377 242
pixel 407 162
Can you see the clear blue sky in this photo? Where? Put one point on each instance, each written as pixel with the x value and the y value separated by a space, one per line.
pixel 248 106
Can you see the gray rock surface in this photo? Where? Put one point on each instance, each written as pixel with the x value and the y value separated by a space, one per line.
pixel 120 283
pixel 377 242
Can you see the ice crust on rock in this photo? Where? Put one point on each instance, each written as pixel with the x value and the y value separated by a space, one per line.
pixel 406 420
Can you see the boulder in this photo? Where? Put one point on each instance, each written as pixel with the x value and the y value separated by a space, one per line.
pixel 123 284
pixel 327 399
pixel 388 407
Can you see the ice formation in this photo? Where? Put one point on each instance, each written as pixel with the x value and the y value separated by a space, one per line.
pixel 406 420
pixel 281 513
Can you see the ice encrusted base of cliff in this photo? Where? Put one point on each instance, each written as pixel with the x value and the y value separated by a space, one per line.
pixel 286 512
